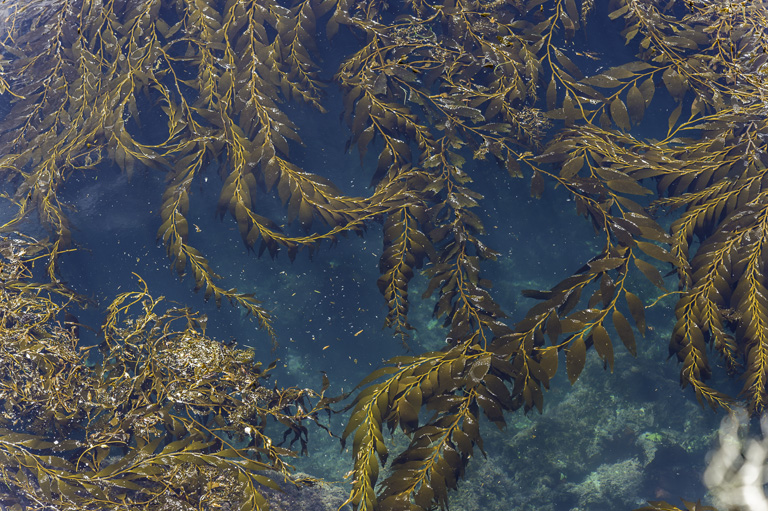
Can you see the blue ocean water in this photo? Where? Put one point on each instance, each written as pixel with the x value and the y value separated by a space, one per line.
pixel 611 441
pixel 608 442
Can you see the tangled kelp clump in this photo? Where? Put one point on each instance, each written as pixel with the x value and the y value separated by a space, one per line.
pixel 166 419
pixel 437 91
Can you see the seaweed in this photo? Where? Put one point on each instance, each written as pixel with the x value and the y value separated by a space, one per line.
pixel 164 417
pixel 442 93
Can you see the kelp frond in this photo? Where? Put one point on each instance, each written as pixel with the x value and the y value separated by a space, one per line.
pixel 168 417
pixel 708 162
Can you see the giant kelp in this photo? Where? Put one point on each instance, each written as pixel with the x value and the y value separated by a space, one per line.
pixel 165 418
pixel 441 91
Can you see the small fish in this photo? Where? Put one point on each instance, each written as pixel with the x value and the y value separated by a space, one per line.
pixel 589 54
pixel 359 332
